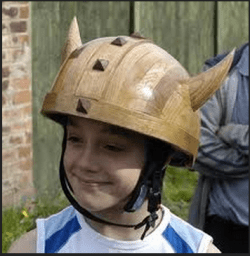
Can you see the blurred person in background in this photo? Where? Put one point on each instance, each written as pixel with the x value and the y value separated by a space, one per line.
pixel 221 201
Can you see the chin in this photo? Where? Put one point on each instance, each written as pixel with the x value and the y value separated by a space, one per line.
pixel 96 201
pixel 100 205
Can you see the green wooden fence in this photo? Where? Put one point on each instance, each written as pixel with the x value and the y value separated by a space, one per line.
pixel 190 31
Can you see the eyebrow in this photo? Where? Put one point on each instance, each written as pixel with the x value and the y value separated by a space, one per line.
pixel 109 129
pixel 115 130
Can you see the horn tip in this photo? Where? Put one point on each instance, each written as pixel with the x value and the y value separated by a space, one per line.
pixel 233 51
pixel 205 84
pixel 74 23
pixel 230 57
pixel 74 20
pixel 73 40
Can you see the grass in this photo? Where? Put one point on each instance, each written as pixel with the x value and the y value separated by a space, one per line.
pixel 178 189
pixel 16 221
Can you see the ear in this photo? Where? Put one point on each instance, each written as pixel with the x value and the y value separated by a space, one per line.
pixel 204 85
pixel 73 40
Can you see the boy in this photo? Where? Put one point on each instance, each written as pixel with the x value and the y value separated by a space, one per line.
pixel 128 109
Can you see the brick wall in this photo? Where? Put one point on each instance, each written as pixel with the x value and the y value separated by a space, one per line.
pixel 17 174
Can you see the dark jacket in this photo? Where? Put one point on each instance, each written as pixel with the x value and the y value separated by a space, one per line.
pixel 223 152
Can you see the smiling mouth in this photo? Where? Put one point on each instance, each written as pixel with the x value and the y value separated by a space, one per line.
pixel 90 182
pixel 93 183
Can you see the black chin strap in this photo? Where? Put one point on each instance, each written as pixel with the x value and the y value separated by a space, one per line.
pixel 154 197
pixel 149 221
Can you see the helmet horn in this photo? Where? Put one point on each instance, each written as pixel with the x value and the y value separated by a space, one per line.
pixel 204 85
pixel 73 40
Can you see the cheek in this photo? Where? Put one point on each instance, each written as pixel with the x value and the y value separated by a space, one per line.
pixel 127 180
pixel 69 163
pixel 70 156
pixel 126 176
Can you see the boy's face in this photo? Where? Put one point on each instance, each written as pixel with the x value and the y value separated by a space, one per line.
pixel 102 163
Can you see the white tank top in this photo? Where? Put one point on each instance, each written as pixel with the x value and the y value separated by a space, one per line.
pixel 67 232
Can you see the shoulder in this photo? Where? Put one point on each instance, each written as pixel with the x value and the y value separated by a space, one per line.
pixel 184 237
pixel 25 244
pixel 212 249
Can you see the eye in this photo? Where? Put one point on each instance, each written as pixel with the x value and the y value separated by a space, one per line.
pixel 73 139
pixel 114 148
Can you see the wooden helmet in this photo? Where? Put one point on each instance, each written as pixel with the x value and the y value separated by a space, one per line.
pixel 130 82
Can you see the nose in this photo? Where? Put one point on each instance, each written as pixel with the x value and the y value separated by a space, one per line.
pixel 88 159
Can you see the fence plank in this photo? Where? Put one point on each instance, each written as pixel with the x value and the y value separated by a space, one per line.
pixel 99 19
pixel 45 62
pixel 68 10
pixel 50 23
pixel 184 29
pixel 233 24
